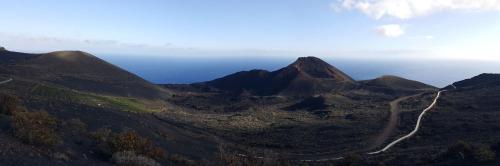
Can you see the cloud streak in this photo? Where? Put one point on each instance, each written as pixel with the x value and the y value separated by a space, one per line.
pixel 50 43
pixel 407 9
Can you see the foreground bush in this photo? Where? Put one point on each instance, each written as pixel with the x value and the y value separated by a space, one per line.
pixel 130 158
pixel 9 104
pixel 129 141
pixel 35 127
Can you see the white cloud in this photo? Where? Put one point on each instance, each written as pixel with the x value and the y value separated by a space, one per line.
pixel 406 9
pixel 390 30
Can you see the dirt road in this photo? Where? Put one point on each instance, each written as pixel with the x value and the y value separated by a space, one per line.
pixel 392 123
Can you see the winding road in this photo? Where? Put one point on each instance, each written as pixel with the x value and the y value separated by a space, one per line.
pixel 393 121
pixel 382 137
pixel 417 126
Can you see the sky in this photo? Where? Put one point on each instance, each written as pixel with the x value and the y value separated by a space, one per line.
pixel 392 29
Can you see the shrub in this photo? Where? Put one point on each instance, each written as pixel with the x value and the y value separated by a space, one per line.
pixel 77 126
pixel 110 143
pixel 131 141
pixel 101 137
pixel 461 148
pixel 130 158
pixel 35 127
pixel 9 104
pixel 484 154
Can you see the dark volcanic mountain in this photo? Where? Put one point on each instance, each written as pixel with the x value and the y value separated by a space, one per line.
pixel 75 70
pixel 304 77
pixel 394 82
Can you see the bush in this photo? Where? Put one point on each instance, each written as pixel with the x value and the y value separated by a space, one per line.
pixel 111 143
pixel 130 158
pixel 77 126
pixel 461 148
pixel 9 104
pixel 484 154
pixel 35 127
pixel 101 137
pixel 131 141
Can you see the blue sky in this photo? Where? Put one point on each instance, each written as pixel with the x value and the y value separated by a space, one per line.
pixel 444 29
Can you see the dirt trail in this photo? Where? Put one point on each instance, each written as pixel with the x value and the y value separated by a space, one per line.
pixel 393 121
pixel 417 126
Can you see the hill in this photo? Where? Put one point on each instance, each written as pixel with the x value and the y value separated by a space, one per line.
pixel 76 70
pixel 306 76
pixel 394 82
pixel 465 116
pixel 484 80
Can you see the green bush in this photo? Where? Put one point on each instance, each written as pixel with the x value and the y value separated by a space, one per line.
pixel 35 127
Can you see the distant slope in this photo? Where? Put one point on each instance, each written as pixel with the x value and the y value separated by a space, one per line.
pixel 306 76
pixel 76 70
pixel 484 80
pixel 470 113
pixel 394 82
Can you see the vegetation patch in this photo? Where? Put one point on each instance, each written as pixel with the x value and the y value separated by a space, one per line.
pixel 91 99
pixel 470 153
pixel 35 127
pixel 122 145
pixel 8 104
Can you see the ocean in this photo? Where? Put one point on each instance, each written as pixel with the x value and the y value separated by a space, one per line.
pixel 183 70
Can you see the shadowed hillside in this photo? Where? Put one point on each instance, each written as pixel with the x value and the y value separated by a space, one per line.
pixel 306 76
pixel 76 70
pixel 394 82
